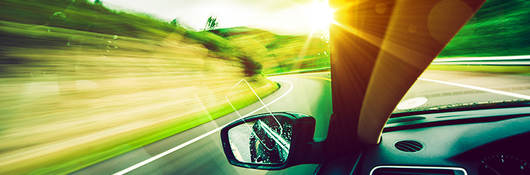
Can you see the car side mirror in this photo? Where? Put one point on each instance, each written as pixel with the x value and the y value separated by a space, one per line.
pixel 270 141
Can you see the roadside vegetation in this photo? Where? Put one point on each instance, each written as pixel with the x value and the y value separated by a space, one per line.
pixel 499 28
pixel 279 53
pixel 81 83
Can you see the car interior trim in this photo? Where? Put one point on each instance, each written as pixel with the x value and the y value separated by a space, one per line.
pixel 356 163
pixel 418 167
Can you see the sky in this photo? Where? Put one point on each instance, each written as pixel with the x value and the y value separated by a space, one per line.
pixel 279 16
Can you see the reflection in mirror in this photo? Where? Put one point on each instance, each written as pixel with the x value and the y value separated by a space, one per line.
pixel 263 141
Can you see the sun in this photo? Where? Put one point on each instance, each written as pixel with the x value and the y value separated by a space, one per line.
pixel 321 15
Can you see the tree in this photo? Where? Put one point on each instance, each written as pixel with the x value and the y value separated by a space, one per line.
pixel 174 22
pixel 97 2
pixel 211 23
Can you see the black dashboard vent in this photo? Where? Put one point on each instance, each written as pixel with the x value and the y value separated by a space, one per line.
pixel 409 145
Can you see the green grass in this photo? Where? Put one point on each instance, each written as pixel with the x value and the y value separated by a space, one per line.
pixel 278 53
pixel 499 28
pixel 83 15
pixel 86 16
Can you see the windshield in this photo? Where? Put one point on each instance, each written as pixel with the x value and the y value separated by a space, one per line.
pixel 487 62
pixel 115 86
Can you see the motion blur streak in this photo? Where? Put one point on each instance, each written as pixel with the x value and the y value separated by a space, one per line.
pixel 70 98
pixel 63 99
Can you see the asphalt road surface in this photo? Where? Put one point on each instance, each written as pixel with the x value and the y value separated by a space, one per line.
pixel 199 151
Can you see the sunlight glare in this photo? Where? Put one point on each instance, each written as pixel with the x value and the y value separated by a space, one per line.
pixel 321 16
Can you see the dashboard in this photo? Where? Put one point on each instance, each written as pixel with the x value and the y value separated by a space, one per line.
pixel 479 142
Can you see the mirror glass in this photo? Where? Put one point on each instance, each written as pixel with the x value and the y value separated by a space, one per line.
pixel 266 140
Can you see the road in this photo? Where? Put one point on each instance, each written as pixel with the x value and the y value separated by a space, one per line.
pixel 199 151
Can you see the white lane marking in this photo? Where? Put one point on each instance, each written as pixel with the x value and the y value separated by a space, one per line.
pixel 478 88
pixel 522 63
pixel 520 57
pixel 142 163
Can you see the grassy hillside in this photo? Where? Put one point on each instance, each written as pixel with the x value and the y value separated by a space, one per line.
pixel 279 53
pixel 80 83
pixel 86 16
pixel 499 28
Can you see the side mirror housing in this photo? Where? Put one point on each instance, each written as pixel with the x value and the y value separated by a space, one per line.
pixel 271 141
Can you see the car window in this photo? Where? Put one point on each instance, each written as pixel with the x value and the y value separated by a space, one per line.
pixel 86 81
pixel 487 62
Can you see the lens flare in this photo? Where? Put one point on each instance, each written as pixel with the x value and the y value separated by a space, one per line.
pixel 321 16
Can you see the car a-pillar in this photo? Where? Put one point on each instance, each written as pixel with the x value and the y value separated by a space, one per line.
pixel 378 50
